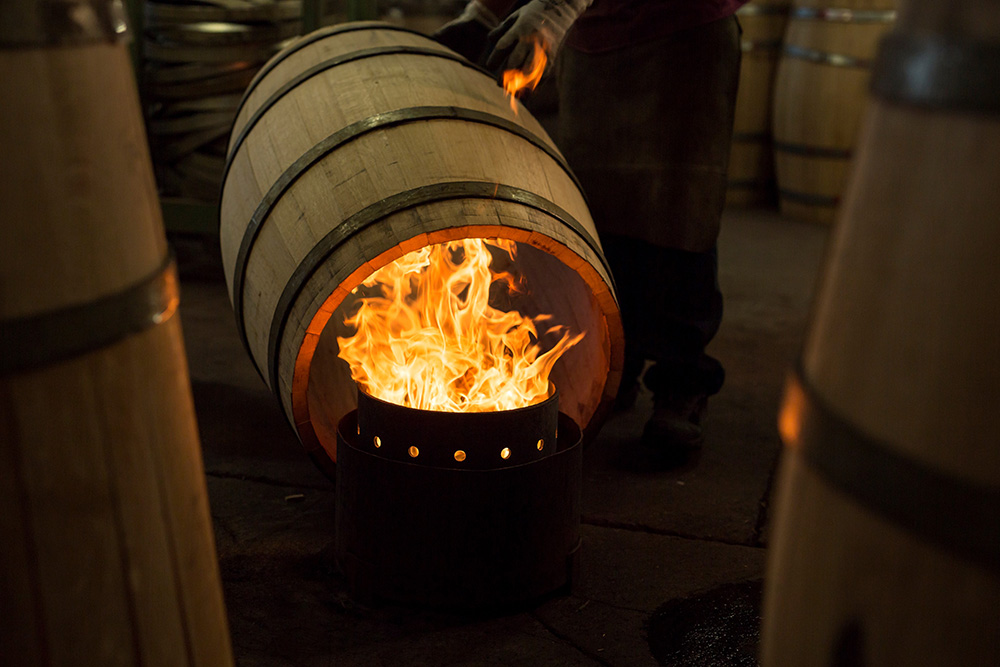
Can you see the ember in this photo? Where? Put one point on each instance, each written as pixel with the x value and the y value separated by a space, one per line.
pixel 428 338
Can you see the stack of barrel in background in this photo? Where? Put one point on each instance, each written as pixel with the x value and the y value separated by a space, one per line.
pixel 820 95
pixel 198 58
pixel 886 542
pixel 751 160
pixel 107 553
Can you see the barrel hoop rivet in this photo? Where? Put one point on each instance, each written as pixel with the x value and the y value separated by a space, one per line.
pixel 825 58
pixel 938 72
pixel 339 139
pixel 394 204
pixel 954 514
pixel 35 341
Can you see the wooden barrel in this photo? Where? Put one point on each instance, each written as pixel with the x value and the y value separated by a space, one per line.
pixel 750 178
pixel 362 142
pixel 886 544
pixel 108 555
pixel 820 95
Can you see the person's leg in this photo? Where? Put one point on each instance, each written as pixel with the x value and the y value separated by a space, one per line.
pixel 647 130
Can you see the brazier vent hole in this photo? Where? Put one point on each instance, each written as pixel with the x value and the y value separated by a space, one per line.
pixel 460 455
pixel 414 452
pixel 505 453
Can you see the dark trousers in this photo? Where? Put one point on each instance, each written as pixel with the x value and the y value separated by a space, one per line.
pixel 647 129
pixel 671 308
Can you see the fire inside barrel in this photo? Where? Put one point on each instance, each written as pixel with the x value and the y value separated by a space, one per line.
pixel 429 338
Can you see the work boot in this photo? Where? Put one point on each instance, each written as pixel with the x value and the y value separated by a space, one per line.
pixel 676 423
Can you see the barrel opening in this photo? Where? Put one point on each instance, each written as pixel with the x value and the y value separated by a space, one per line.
pixel 559 282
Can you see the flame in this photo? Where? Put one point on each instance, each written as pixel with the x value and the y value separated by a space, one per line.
pixel 515 80
pixel 429 339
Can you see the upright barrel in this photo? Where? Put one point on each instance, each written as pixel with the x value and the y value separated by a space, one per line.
pixel 108 555
pixel 750 177
pixel 362 142
pixel 886 544
pixel 819 99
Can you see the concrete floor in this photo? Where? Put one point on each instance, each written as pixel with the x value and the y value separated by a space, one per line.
pixel 654 537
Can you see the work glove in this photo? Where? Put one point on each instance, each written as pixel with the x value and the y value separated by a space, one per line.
pixel 467 33
pixel 545 20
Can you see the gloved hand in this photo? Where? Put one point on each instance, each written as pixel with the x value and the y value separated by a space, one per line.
pixel 545 20
pixel 467 33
